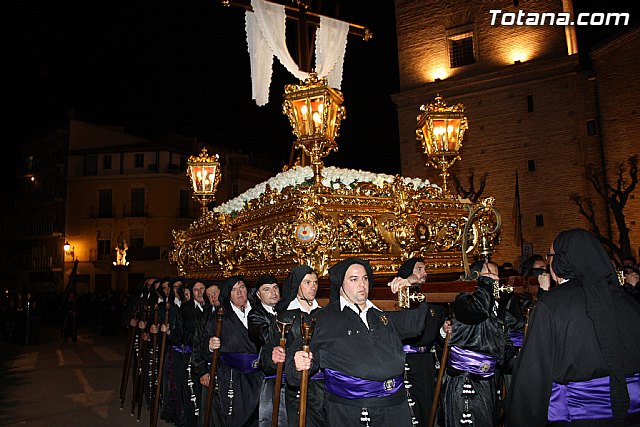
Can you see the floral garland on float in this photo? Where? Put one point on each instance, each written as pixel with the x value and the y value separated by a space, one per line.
pixel 333 178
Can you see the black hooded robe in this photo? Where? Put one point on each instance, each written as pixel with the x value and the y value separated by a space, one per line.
pixel 238 391
pixel 342 342
pixel 547 357
pixel 420 360
pixel 316 414
pixel 475 327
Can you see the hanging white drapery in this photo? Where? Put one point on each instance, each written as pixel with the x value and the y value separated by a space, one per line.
pixel 265 28
pixel 331 43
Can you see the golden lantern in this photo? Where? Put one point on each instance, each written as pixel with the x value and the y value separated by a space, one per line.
pixel 440 131
pixel 315 112
pixel 204 172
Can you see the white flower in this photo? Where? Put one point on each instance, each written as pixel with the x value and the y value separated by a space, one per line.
pixel 332 177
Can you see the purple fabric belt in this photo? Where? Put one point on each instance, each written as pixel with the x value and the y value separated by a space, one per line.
pixel 409 349
pixel 247 363
pixel 349 387
pixel 182 349
pixel 589 400
pixel 472 362
pixel 516 338
pixel 273 377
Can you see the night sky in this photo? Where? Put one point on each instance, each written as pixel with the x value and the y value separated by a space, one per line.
pixel 182 66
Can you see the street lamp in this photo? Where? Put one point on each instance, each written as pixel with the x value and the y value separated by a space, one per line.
pixel 440 131
pixel 204 171
pixel 315 112
pixel 69 250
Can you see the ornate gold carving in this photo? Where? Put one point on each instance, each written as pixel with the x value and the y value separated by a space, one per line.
pixel 386 224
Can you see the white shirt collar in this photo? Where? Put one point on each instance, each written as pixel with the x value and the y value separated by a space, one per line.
pixel 296 304
pixel 363 314
pixel 270 310
pixel 242 315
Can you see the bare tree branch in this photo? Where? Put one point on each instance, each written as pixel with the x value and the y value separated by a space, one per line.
pixel 615 199
pixel 471 193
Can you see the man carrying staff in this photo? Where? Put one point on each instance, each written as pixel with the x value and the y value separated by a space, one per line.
pixel 360 349
pixel 261 318
pixel 300 289
pixel 580 362
pixel 420 359
pixel 239 377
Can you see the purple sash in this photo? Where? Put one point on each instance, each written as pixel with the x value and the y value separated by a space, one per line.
pixel 516 338
pixel 247 363
pixel 182 349
pixel 348 387
pixel 273 377
pixel 589 400
pixel 409 349
pixel 472 362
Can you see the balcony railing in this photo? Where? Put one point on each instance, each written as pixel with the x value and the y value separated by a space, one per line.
pixel 95 212
pixel 45 263
pixel 151 253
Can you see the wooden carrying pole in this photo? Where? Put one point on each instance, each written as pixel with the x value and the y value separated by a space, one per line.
pixel 214 365
pixel 307 331
pixel 283 328
pixel 436 395
pixel 163 345
pixel 126 366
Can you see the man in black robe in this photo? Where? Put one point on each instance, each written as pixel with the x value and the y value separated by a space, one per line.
pixel 261 318
pixel 192 314
pixel 360 349
pixel 580 363
pixel 476 347
pixel 299 300
pixel 238 375
pixel 420 358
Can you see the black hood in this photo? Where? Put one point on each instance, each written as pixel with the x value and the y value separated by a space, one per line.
pixel 579 255
pixel 265 279
pixel 406 269
pixel 225 290
pixel 338 271
pixel 292 284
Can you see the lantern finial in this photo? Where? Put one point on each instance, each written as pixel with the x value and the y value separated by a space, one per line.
pixel 440 131
pixel 204 172
pixel 315 112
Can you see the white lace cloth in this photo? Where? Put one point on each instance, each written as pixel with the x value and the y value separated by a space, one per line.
pixel 265 28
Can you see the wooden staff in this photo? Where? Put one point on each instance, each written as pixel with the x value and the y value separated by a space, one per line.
pixel 163 345
pixel 307 331
pixel 154 352
pixel 126 367
pixel 526 322
pixel 283 329
pixel 443 365
pixel 214 366
pixel 142 348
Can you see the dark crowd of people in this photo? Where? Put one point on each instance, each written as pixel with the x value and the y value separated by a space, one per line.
pixel 567 355
pixel 241 354
pixel 23 314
